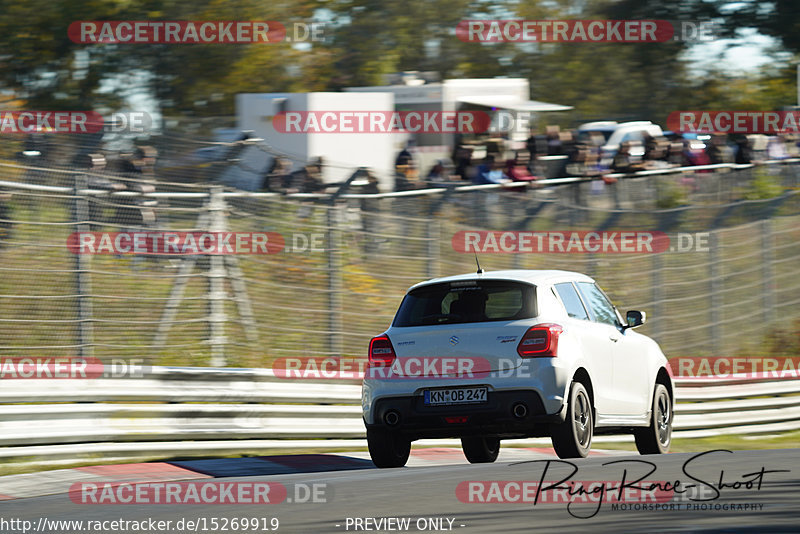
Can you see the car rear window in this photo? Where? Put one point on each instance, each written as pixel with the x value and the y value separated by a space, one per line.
pixel 468 301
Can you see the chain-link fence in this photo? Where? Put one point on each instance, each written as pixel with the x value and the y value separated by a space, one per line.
pixel 348 258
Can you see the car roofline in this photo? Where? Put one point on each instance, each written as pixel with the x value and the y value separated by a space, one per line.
pixel 534 277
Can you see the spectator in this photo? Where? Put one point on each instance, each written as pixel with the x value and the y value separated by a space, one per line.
pixel 405 157
pixel 624 161
pixel 463 160
pixel 495 145
pixel 656 150
pixel 576 163
pixel 718 150
pixel 553 141
pixel 94 165
pixel 517 168
pixel 442 171
pixel 744 152
pixel 792 150
pixel 490 172
pixel 537 145
pixel 675 155
pixel 133 213
pixel 144 157
pixel 278 175
pixel 758 146
pixel 593 164
pixel 437 172
pixel 650 146
pixel 370 221
pixel 568 142
pixel 371 188
pixel 308 179
pixel 776 148
pixel 694 153
pixel 405 178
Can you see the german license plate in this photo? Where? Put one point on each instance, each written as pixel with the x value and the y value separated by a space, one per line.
pixel 444 397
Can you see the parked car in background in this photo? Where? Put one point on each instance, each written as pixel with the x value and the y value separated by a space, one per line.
pixel 616 133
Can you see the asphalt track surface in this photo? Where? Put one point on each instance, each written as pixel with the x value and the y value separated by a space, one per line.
pixel 430 492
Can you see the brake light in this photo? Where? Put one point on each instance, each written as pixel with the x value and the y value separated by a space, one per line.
pixel 540 341
pixel 381 352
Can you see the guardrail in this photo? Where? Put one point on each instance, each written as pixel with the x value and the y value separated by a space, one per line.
pixel 454 187
pixel 178 411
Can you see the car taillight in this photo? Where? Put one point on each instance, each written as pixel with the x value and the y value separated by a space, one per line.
pixel 381 352
pixel 540 341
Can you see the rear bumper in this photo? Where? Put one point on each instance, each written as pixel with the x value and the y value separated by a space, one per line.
pixel 495 418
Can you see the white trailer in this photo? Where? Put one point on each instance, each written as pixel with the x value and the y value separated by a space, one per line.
pixel 488 94
pixel 342 153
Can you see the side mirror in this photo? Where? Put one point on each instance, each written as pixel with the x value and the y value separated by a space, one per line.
pixel 635 318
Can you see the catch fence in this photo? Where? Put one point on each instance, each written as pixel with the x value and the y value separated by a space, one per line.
pixel 348 258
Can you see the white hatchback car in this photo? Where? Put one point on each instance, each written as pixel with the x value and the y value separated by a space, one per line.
pixel 512 354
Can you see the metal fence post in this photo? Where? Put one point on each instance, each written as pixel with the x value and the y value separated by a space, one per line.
pixel 715 287
pixel 766 269
pixel 216 283
pixel 434 236
pixel 658 296
pixel 575 198
pixel 82 263
pixel 332 241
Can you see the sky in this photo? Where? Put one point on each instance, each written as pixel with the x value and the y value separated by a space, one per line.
pixel 741 55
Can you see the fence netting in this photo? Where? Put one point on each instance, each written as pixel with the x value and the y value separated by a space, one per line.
pixel 347 260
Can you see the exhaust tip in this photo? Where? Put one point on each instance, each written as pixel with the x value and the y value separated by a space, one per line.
pixel 520 410
pixel 392 418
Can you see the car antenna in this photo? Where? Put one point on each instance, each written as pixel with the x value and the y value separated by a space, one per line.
pixel 480 271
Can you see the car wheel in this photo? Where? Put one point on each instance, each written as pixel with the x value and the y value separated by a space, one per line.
pixel 388 449
pixel 480 450
pixel 573 437
pixel 656 438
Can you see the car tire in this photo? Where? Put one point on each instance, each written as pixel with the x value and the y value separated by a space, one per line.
pixel 480 450
pixel 388 449
pixel 656 438
pixel 573 437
